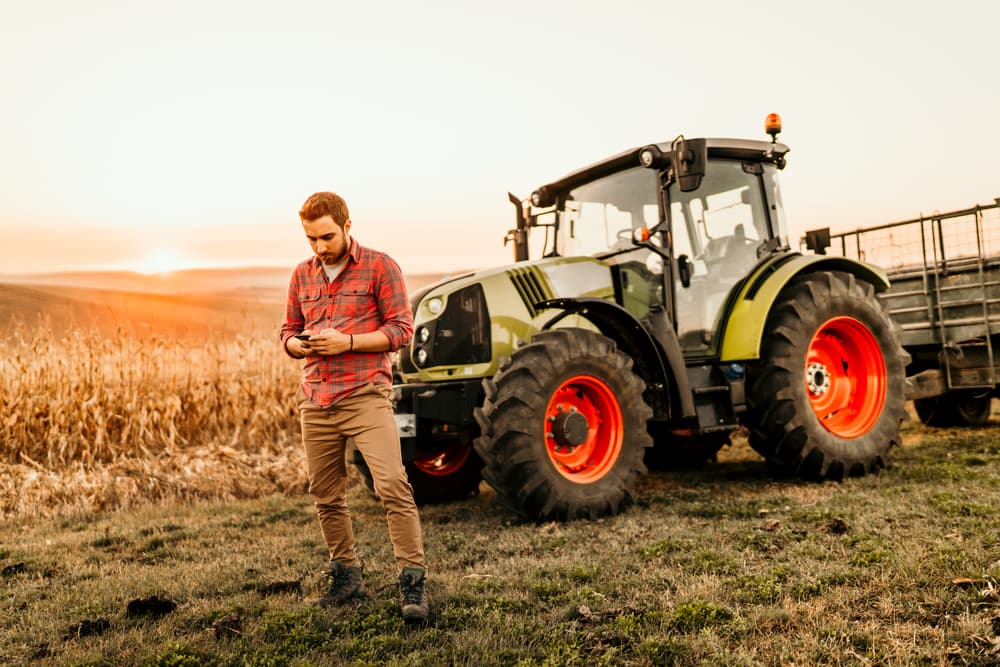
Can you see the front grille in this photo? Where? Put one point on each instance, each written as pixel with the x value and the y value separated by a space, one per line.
pixel 462 334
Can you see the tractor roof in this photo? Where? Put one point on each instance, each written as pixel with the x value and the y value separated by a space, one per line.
pixel 736 149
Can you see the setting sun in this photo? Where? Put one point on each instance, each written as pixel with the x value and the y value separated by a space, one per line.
pixel 163 260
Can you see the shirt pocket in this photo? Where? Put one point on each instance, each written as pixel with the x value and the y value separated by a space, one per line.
pixel 312 305
pixel 357 301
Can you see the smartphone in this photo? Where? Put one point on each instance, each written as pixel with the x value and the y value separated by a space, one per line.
pixel 302 336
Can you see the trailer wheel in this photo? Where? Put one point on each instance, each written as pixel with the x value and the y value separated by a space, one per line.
pixel 956 408
pixel 826 399
pixel 564 427
pixel 444 470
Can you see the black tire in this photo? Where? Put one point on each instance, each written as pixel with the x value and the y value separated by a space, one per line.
pixel 459 482
pixel 527 440
pixel 840 314
pixel 956 408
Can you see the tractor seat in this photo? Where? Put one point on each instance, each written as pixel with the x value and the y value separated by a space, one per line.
pixel 733 251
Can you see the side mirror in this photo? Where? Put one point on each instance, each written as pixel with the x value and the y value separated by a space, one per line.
pixel 818 240
pixel 684 270
pixel 688 157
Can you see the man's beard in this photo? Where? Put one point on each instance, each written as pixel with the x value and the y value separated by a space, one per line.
pixel 330 260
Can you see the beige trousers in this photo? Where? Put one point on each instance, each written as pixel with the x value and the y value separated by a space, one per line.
pixel 366 416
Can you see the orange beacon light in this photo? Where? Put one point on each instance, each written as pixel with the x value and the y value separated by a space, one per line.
pixel 772 125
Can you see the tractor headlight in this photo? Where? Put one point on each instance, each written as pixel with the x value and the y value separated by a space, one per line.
pixel 542 198
pixel 423 335
pixel 651 156
pixel 435 305
pixel 421 356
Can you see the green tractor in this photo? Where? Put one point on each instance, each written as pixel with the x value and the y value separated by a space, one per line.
pixel 654 307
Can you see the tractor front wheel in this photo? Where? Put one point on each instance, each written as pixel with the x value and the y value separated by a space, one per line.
pixel 826 399
pixel 444 469
pixel 564 427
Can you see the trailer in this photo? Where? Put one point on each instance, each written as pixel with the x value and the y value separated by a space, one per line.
pixel 944 294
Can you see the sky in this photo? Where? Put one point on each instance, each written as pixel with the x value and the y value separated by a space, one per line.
pixel 152 136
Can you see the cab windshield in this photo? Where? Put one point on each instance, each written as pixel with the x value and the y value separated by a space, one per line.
pixel 597 218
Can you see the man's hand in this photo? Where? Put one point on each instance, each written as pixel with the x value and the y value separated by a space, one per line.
pixel 329 342
pixel 297 347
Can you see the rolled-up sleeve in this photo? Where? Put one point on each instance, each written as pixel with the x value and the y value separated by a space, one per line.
pixel 394 306
pixel 294 321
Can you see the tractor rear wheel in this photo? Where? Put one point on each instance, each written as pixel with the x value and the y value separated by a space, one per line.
pixel 956 408
pixel 826 399
pixel 564 427
pixel 443 470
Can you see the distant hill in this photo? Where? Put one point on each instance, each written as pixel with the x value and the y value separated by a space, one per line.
pixel 194 303
pixel 246 282
pixel 110 313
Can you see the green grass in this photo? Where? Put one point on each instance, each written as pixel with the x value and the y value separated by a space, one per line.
pixel 726 565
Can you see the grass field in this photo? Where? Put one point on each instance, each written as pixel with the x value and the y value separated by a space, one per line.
pixel 152 512
pixel 725 565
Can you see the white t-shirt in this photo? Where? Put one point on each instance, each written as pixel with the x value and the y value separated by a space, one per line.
pixel 333 270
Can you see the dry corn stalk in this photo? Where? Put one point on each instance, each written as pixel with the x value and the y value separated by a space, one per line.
pixel 94 423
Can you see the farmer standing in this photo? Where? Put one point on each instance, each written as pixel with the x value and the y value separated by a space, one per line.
pixel 347 309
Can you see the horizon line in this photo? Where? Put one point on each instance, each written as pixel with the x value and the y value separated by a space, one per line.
pixel 190 269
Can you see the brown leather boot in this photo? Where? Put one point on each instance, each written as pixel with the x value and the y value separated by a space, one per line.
pixel 343 584
pixel 411 587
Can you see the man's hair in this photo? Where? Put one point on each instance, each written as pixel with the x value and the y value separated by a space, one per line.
pixel 325 203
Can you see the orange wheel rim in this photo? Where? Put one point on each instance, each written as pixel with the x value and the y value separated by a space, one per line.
pixel 845 377
pixel 584 429
pixel 444 460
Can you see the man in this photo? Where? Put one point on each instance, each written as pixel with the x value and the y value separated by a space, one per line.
pixel 347 309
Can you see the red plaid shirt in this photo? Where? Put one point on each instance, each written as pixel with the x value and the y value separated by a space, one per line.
pixel 368 295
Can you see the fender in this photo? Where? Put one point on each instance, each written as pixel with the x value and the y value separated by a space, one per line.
pixel 657 357
pixel 744 327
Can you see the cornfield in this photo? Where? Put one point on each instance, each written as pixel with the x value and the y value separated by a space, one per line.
pixel 94 423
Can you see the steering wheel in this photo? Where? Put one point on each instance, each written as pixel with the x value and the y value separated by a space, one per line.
pixel 623 239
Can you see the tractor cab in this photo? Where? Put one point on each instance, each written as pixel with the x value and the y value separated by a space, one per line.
pixel 680 225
